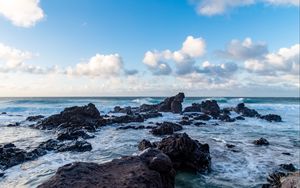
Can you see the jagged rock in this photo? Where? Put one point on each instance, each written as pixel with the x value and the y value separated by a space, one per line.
pixel 13 124
pixel 153 171
pixel 67 134
pixel 144 144
pixel 289 167
pixel 126 110
pixel 186 153
pixel 210 107
pixel 202 117
pixel 185 122
pixel 261 142
pixel 135 127
pixel 149 115
pixel 166 128
pixel 226 118
pixel 194 108
pixel 271 118
pixel 34 118
pixel 79 146
pixel 245 111
pixel 128 119
pixel 85 117
pixel 239 118
pixel 283 180
pixel 170 104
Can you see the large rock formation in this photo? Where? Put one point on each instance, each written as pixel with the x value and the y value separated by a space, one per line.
pixel 150 169
pixel 84 117
pixel 245 111
pixel 170 104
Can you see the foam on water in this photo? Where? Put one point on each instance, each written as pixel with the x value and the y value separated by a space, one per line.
pixel 246 168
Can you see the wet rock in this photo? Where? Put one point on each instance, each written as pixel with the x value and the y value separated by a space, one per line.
pixel 202 117
pixel 239 118
pixel 186 153
pixel 185 122
pixel 291 181
pixel 126 110
pixel 210 107
pixel 10 156
pixel 84 117
pixel 1 173
pixel 199 123
pixel 121 173
pixel 34 118
pixel 149 115
pixel 194 108
pixel 49 145
pixel 16 124
pixel 261 142
pixel 67 134
pixel 245 111
pixel 166 128
pixel 3 113
pixel 128 119
pixel 286 153
pixel 230 145
pixel 170 104
pixel 135 127
pixel 78 146
pixel 226 118
pixel 289 167
pixel 144 144
pixel 271 118
pixel 185 118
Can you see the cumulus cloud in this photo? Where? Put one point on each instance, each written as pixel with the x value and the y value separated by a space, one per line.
pixel 23 13
pixel 14 60
pixel 184 59
pixel 100 66
pixel 218 7
pixel 219 70
pixel 285 61
pixel 243 50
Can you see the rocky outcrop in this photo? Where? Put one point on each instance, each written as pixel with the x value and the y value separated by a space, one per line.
pixel 186 153
pixel 166 128
pixel 135 127
pixel 245 111
pixel 209 107
pixel 271 118
pixel 194 108
pixel 126 110
pixel 261 142
pixel 202 117
pixel 75 145
pixel 85 117
pixel 34 118
pixel 67 134
pixel 150 169
pixel 144 144
pixel 170 104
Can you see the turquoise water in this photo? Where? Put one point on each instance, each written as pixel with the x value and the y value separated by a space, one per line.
pixel 246 168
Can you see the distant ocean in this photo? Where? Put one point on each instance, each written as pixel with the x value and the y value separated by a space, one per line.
pixel 247 168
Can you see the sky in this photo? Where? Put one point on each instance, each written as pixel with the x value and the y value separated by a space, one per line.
pixel 149 48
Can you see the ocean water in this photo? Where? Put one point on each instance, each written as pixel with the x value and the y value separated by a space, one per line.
pixel 247 168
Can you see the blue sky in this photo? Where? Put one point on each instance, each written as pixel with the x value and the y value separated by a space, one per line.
pixel 239 48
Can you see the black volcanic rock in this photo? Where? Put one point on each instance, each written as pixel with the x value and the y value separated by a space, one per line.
pixel 245 111
pixel 150 169
pixel 34 118
pixel 203 117
pixel 261 142
pixel 166 128
pixel 194 108
pixel 186 153
pixel 144 144
pixel 271 118
pixel 85 117
pixel 170 104
pixel 210 107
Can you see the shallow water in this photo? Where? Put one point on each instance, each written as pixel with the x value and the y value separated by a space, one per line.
pixel 246 168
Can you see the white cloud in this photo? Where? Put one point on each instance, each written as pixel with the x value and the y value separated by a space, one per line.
pixel 23 13
pixel 243 50
pixel 13 60
pixel 221 70
pixel 184 59
pixel 218 7
pixel 285 61
pixel 100 65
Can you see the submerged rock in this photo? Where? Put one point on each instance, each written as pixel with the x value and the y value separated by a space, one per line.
pixel 202 117
pixel 186 153
pixel 34 118
pixel 271 118
pixel 261 142
pixel 149 169
pixel 166 128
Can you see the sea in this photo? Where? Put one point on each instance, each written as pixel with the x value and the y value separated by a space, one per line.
pixel 247 166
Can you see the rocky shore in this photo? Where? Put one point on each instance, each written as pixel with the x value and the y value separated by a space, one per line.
pixel 157 163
